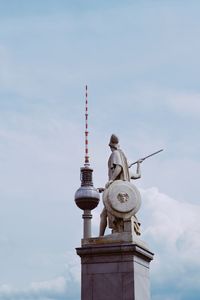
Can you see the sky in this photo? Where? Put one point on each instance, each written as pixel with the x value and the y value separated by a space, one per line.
pixel 140 60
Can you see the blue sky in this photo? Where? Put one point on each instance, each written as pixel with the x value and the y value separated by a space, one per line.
pixel 141 63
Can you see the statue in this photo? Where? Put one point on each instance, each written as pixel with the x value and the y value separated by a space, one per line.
pixel 121 198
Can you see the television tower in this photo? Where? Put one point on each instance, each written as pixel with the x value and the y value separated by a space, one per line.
pixel 87 196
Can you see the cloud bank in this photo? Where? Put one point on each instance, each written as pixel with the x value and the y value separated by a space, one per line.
pixel 46 290
pixel 171 229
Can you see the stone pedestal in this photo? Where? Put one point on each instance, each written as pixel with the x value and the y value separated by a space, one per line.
pixel 114 271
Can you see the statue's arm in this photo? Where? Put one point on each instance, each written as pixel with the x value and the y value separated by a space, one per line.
pixel 117 171
pixel 115 174
pixel 138 171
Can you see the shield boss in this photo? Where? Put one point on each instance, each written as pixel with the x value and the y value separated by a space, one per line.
pixel 123 197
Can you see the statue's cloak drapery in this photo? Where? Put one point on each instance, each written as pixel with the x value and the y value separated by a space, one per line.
pixel 117 157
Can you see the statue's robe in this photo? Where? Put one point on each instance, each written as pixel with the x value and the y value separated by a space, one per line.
pixel 117 157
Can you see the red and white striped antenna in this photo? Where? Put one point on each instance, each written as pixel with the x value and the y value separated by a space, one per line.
pixel 86 129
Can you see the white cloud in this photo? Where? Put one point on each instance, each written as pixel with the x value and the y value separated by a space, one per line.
pixel 172 229
pixel 58 285
pixel 63 287
pixel 186 104
pixel 52 289
pixel 180 101
pixel 73 266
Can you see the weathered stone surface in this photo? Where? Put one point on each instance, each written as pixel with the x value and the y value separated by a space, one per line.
pixel 112 271
pixel 122 197
pixel 116 238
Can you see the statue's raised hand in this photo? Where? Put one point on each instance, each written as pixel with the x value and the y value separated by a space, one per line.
pixel 139 161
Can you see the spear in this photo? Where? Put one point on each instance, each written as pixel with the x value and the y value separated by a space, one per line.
pixel 142 159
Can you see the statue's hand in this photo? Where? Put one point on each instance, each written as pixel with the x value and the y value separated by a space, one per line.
pixel 140 161
pixel 108 183
pixel 100 190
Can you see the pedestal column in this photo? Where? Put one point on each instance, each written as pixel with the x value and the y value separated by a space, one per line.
pixel 113 271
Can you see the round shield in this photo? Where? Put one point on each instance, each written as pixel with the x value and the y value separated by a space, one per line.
pixel 122 197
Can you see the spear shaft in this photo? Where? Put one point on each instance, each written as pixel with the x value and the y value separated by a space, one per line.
pixel 142 159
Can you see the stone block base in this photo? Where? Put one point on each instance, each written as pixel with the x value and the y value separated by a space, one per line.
pixel 114 271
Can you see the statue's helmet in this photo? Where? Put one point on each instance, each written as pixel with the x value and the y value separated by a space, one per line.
pixel 114 141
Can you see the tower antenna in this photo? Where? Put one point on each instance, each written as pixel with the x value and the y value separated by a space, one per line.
pixel 87 163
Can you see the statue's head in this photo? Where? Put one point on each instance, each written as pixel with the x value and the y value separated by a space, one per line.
pixel 114 142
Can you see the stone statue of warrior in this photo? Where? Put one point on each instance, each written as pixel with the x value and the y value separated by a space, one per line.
pixel 118 170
